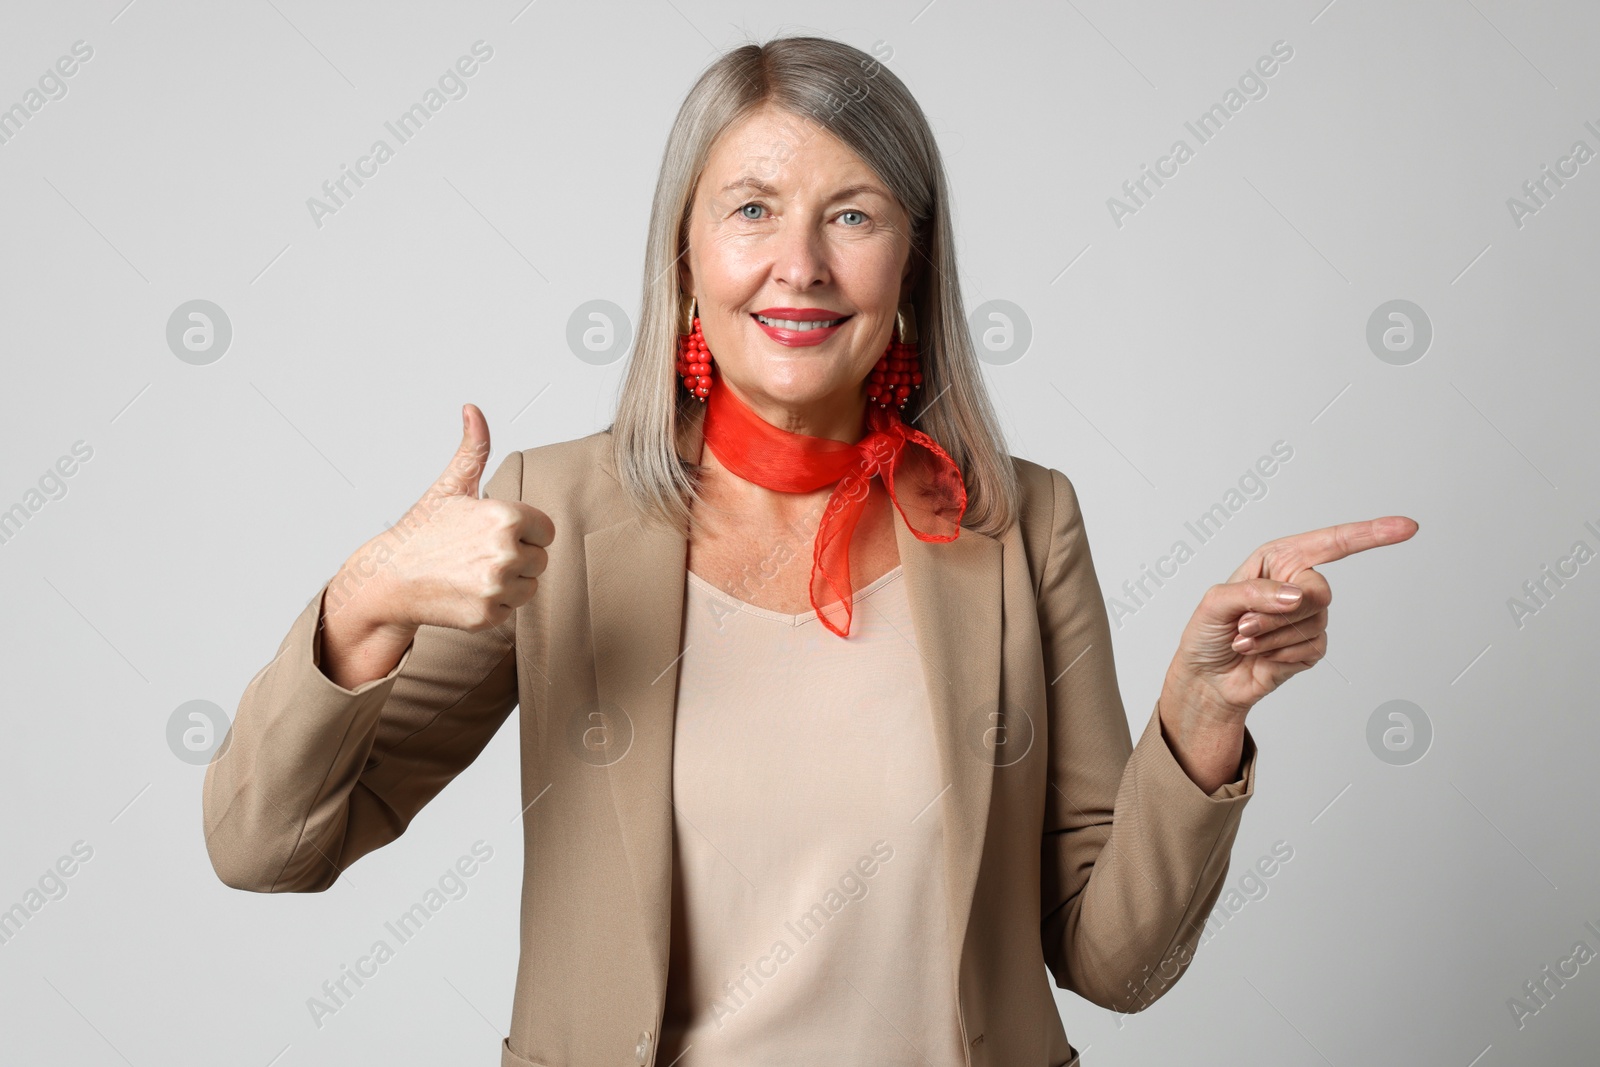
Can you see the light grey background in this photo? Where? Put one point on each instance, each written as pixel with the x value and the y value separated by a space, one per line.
pixel 1167 355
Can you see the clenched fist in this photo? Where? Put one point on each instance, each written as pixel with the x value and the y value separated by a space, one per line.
pixel 454 560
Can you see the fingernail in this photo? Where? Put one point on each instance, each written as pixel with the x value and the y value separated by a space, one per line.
pixel 1249 627
pixel 1288 594
pixel 1244 644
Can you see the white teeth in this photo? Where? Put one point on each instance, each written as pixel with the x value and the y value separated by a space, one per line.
pixel 791 324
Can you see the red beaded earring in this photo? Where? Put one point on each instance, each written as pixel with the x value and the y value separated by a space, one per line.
pixel 694 358
pixel 899 369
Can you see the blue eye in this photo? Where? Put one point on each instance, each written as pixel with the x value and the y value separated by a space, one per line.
pixel 858 214
pixel 745 210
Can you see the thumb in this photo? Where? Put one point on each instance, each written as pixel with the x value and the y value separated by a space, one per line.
pixel 466 466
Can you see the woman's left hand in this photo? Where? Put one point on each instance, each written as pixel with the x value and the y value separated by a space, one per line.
pixel 1243 641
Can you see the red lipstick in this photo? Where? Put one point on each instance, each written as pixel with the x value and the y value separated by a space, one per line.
pixel 799 338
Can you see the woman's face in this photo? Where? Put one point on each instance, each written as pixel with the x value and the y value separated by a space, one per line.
pixel 790 226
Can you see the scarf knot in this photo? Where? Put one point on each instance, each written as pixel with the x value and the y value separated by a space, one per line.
pixel 920 477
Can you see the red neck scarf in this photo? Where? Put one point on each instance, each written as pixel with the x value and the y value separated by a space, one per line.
pixel 932 499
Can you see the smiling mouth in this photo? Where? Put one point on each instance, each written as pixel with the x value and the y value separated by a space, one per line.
pixel 801 326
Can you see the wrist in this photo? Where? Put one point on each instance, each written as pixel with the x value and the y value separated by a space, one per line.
pixel 353 628
pixel 355 643
pixel 1192 704
pixel 361 594
pixel 1205 736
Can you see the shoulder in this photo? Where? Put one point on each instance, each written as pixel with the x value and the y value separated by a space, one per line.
pixel 1045 496
pixel 1048 518
pixel 1034 481
pixel 577 460
pixel 575 478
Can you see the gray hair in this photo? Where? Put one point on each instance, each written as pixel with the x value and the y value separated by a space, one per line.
pixel 855 98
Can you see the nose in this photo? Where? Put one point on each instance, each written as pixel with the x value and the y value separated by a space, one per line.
pixel 800 259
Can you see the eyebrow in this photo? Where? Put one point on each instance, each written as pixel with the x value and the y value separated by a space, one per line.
pixel 751 182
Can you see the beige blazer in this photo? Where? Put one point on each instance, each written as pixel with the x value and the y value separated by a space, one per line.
pixel 1071 852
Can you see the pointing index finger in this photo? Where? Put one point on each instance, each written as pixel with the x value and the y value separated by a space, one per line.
pixel 1287 556
pixel 1330 543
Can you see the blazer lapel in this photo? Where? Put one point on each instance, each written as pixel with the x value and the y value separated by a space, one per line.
pixel 955 590
pixel 636 577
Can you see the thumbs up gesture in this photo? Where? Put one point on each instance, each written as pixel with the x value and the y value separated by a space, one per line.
pixel 454 559
pixel 465 562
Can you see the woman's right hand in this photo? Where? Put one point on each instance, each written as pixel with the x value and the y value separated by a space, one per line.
pixel 453 560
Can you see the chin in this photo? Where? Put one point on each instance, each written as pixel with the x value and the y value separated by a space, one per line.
pixel 798 381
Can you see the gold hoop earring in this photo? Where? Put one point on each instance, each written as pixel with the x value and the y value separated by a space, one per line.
pixel 905 324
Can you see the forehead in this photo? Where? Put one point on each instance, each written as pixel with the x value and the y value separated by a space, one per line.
pixel 789 152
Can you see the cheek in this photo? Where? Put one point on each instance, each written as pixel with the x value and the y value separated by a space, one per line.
pixel 872 266
pixel 728 264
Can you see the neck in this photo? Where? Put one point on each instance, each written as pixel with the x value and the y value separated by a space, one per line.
pixel 755 506
pixel 833 418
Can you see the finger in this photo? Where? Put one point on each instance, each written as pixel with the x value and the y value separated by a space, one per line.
pixel 1286 632
pixel 461 477
pixel 1225 603
pixel 517 592
pixel 1301 654
pixel 1286 556
pixel 1318 595
pixel 534 527
pixel 1347 538
pixel 531 561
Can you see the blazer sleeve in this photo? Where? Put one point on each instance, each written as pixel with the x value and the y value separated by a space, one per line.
pixel 312 776
pixel 1134 853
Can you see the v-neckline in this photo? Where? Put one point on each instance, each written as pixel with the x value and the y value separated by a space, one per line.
pixel 792 620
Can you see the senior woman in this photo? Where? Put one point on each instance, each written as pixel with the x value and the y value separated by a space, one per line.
pixel 823 754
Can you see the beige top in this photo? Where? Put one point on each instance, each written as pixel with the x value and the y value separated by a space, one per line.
pixel 809 917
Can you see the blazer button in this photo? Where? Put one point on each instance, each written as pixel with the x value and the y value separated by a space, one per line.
pixel 642 1050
